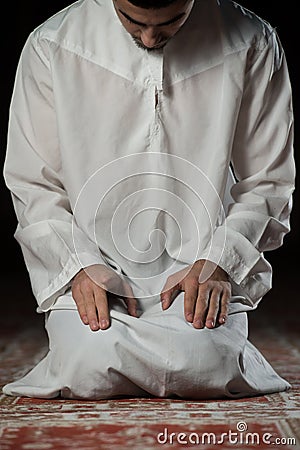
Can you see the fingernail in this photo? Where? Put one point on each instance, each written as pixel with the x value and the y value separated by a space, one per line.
pixel 210 323
pixel 189 317
pixel 85 320
pixel 94 325
pixel 103 323
pixel 198 324
pixel 164 303
pixel 222 319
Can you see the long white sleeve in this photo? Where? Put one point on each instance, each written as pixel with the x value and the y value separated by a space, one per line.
pixel 263 163
pixel 33 173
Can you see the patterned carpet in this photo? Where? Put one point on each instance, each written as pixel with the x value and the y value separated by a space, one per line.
pixel 264 422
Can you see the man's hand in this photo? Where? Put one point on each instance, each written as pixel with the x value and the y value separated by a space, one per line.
pixel 90 288
pixel 206 293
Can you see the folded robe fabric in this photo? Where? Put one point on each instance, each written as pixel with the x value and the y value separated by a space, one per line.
pixel 157 354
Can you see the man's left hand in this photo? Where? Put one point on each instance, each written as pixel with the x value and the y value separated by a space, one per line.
pixel 207 291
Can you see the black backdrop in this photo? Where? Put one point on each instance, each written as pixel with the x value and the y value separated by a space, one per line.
pixel 22 16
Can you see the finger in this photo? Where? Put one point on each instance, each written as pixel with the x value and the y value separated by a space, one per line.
pixel 169 292
pixel 130 300
pixel 91 309
pixel 223 312
pixel 167 297
pixel 190 298
pixel 201 306
pixel 79 300
pixel 213 310
pixel 101 304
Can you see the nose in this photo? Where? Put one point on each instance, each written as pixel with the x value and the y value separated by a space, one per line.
pixel 150 37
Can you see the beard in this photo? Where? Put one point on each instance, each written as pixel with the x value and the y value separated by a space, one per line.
pixel 139 44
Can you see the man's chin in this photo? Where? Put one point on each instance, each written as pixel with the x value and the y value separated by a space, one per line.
pixel 140 44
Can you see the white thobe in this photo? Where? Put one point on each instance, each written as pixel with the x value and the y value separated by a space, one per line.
pixel 146 162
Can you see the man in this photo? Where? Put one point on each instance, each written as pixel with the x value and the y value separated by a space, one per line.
pixel 150 160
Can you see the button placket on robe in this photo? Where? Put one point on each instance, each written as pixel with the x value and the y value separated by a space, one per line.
pixel 155 62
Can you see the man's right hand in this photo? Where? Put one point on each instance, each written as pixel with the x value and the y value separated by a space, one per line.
pixel 90 288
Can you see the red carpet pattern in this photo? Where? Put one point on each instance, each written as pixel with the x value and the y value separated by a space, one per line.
pixel 264 422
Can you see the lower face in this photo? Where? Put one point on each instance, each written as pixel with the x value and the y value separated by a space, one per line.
pixel 151 29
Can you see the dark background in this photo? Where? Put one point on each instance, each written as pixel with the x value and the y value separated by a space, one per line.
pixel 23 16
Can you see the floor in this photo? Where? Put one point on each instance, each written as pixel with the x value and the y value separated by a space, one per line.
pixel 265 422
